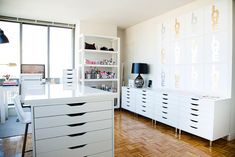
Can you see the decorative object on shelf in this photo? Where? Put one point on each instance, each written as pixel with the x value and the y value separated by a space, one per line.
pixel 103 62
pixel 7 77
pixel 111 49
pixel 3 37
pixel 90 46
pixel 104 48
pixel 97 74
pixel 139 68
pixel 150 83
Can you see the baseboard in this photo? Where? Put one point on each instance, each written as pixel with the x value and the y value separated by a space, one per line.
pixel 231 137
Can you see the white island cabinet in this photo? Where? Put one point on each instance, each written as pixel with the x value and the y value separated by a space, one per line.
pixel 71 122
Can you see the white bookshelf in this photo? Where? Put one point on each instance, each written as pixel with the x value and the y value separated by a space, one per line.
pixel 102 62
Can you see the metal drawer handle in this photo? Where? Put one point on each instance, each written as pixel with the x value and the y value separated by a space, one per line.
pixel 144 101
pixel 164 107
pixel 128 97
pixel 194 121
pixel 144 94
pixel 165 99
pixel 143 106
pixel 194 114
pixel 79 134
pixel 143 110
pixel 128 94
pixel 143 98
pixel 128 105
pixel 194 109
pixel 164 112
pixel 194 99
pixel 69 82
pixel 78 124
pixel 164 94
pixel 194 104
pixel 164 102
pixel 76 114
pixel 144 90
pixel 164 117
pixel 193 127
pixel 128 91
pixel 77 104
pixel 69 78
pixel 128 101
pixel 76 147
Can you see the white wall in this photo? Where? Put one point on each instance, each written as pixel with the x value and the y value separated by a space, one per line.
pixel 232 122
pixel 141 42
pixel 99 28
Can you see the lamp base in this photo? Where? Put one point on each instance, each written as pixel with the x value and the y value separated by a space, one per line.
pixel 139 81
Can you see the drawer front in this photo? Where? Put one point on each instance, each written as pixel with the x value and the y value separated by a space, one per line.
pixel 54 110
pixel 145 110
pixel 104 154
pixel 46 122
pixel 80 150
pixel 72 129
pixel 167 120
pixel 64 142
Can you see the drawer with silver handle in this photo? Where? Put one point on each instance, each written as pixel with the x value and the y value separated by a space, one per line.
pixel 54 110
pixel 80 150
pixel 58 143
pixel 53 121
pixel 72 129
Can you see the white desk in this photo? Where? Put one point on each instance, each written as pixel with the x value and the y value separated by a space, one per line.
pixel 71 122
pixel 6 92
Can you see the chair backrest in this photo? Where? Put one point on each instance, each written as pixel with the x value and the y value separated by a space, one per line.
pixel 19 110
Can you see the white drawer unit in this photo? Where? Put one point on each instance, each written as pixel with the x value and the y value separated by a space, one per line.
pixel 128 101
pixel 73 129
pixel 167 110
pixel 206 117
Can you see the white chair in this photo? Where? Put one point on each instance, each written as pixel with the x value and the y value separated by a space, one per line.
pixel 24 117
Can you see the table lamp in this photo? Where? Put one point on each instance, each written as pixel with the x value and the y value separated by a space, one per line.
pixel 139 68
pixel 3 38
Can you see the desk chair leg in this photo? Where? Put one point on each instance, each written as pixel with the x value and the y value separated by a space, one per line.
pixel 25 138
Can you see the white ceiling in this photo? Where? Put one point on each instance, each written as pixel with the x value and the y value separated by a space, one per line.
pixel 123 13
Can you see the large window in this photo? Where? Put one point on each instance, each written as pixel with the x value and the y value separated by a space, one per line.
pixel 34 45
pixel 10 52
pixel 41 44
pixel 60 51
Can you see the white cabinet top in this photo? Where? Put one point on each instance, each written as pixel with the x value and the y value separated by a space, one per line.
pixel 58 93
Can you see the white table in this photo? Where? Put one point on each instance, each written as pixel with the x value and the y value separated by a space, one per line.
pixel 6 92
pixel 71 121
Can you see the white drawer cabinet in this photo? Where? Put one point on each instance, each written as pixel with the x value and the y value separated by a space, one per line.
pixel 167 110
pixel 73 129
pixel 207 118
pixel 202 116
pixel 140 101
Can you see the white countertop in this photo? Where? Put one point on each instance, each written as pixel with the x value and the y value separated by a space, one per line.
pixel 54 93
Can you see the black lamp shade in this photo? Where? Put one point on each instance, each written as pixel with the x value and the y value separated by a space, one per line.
pixel 3 38
pixel 139 68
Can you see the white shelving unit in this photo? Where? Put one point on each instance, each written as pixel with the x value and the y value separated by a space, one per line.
pixel 105 63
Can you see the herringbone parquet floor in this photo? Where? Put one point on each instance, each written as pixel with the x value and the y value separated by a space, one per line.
pixel 136 137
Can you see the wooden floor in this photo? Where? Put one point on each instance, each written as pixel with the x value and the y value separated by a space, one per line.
pixel 136 137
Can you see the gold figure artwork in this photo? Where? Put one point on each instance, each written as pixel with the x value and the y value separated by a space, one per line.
pixel 177 80
pixel 214 17
pixel 177 27
pixel 163 56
